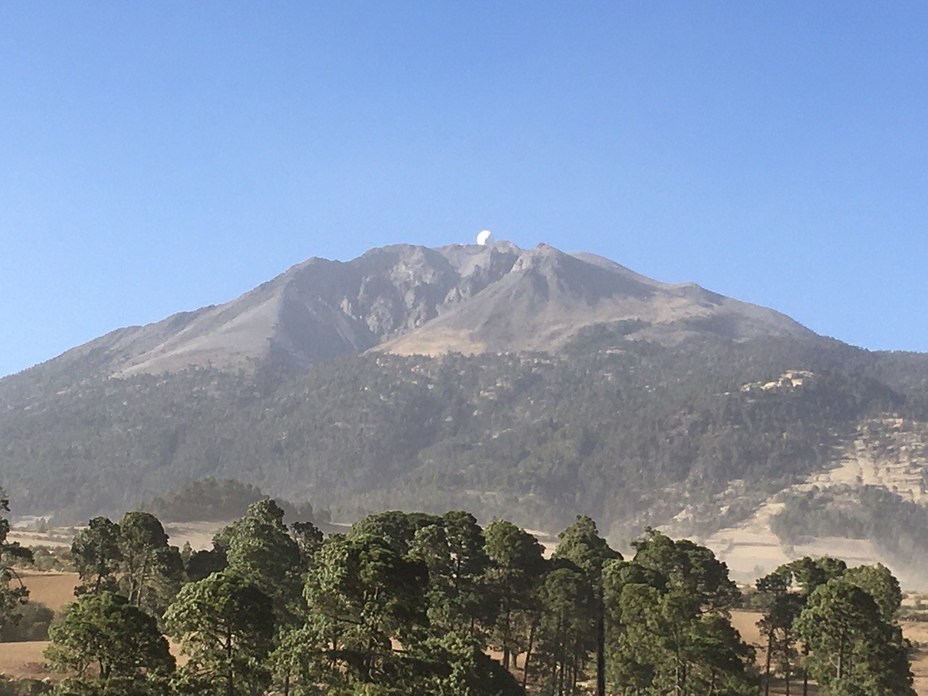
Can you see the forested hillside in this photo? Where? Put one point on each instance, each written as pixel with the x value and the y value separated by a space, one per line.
pixel 581 386
pixel 627 431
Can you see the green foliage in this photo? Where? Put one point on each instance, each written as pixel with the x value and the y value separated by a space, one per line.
pixel 362 594
pixel 879 582
pixel 395 528
pixel 453 553
pixel 103 637
pixel 97 555
pixel 52 558
pixel 835 624
pixel 811 573
pixel 781 607
pixel 23 687
pixel 566 633
pixel 132 557
pixel 225 625
pixel 854 649
pixel 261 551
pixel 203 563
pixel 215 500
pixel 206 499
pixel 514 575
pixel 412 603
pixel 30 621
pixel 151 569
pixel 669 630
pixel 688 569
pixel 308 538
pixel 149 685
pixel 12 591
pixel 456 665
pixel 625 431
pixel 582 545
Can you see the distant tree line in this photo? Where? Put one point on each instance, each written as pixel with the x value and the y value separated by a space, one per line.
pixel 898 526
pixel 213 500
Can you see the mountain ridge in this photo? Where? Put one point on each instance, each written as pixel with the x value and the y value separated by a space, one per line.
pixel 411 299
pixel 531 384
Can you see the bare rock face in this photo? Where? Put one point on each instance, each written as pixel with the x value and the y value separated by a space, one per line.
pixel 547 296
pixel 410 299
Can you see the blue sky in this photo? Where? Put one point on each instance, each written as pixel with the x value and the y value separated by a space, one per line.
pixel 157 157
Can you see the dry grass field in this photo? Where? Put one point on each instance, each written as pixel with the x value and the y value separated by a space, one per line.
pixel 198 534
pixel 24 660
pixel 54 590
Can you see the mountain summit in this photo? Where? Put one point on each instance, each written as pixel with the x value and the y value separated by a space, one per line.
pixel 410 300
pixel 530 384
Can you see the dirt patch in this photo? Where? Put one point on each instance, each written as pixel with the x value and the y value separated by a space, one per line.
pixel 24 660
pixel 54 590
pixel 745 622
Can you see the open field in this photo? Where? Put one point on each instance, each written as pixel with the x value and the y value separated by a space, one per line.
pixel 54 590
pixel 198 534
pixel 24 660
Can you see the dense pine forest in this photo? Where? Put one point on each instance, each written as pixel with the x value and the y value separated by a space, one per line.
pixel 436 605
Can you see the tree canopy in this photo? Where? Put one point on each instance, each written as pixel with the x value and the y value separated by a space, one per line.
pixel 412 603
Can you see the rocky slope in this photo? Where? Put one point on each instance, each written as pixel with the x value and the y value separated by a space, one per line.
pixel 414 300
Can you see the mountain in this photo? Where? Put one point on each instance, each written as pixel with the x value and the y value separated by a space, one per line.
pixel 414 300
pixel 531 384
pixel 547 296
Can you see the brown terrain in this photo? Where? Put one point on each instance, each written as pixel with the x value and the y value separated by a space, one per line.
pixel 24 660
pixel 886 452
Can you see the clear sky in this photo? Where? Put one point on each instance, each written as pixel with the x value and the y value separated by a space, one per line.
pixel 160 156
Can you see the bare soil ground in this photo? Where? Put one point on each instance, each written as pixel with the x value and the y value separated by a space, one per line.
pixel 893 461
pixel 54 590
pixel 24 660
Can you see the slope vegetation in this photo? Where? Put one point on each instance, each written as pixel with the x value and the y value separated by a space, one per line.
pixel 531 384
